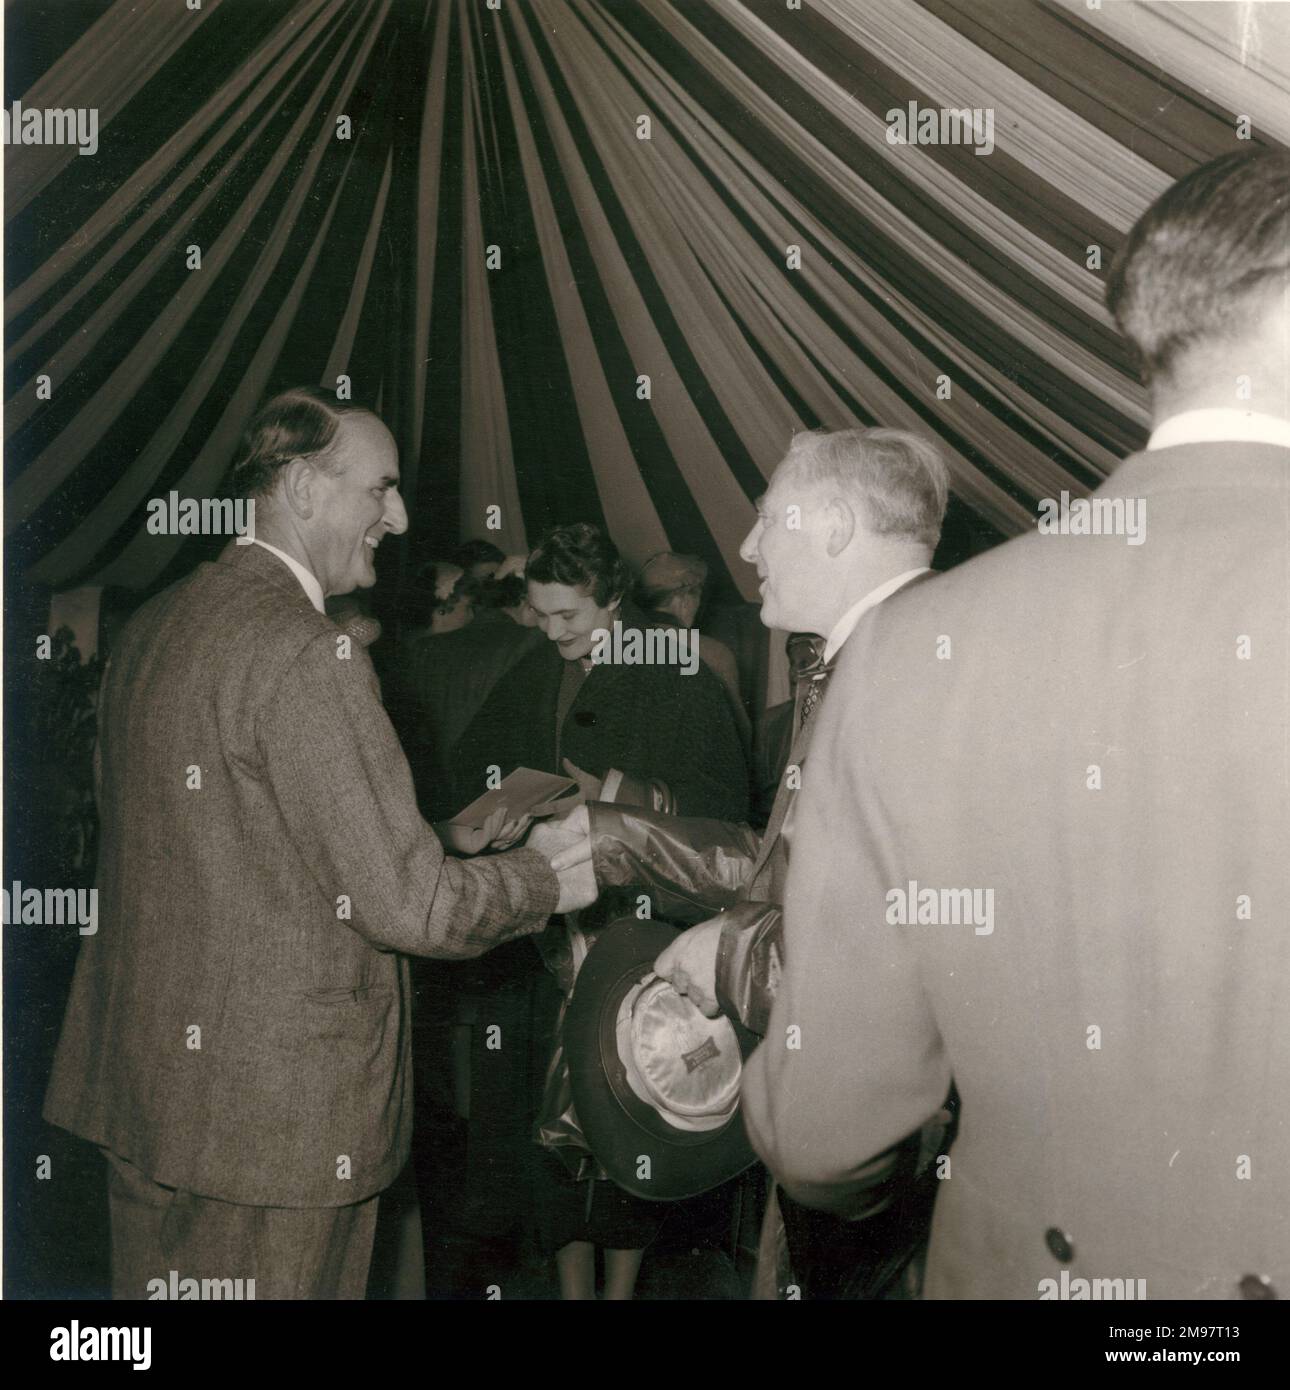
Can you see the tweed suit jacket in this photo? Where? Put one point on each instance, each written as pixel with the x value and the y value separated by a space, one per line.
pixel 1103 746
pixel 238 1027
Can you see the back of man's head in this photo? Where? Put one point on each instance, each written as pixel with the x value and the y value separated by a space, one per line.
pixel 1202 265
pixel 897 480
pixel 299 423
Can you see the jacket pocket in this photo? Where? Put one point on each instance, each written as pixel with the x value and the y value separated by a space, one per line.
pixel 340 995
pixel 363 1015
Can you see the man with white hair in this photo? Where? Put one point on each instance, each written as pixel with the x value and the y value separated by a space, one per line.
pixel 1081 738
pixel 850 517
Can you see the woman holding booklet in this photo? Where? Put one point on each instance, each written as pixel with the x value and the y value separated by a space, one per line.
pixel 650 733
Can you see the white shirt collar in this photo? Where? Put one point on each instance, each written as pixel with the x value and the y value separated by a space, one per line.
pixel 1217 425
pixel 845 625
pixel 308 582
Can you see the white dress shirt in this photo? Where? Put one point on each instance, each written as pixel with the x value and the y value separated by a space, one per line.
pixel 1219 425
pixel 845 625
pixel 308 582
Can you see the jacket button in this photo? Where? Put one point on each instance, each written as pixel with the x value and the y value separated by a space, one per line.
pixel 1257 1286
pixel 1060 1244
pixel 584 718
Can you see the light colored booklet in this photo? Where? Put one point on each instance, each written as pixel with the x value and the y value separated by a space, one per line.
pixel 524 792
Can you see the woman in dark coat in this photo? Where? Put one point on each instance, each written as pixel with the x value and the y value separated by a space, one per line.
pixel 653 735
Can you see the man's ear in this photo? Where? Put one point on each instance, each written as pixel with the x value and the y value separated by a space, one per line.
pixel 299 484
pixel 839 526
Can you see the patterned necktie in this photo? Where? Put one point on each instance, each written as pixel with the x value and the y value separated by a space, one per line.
pixel 814 694
pixel 806 659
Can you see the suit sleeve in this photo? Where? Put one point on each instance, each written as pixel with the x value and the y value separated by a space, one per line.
pixel 344 788
pixel 853 1060
pixel 750 963
pixel 694 866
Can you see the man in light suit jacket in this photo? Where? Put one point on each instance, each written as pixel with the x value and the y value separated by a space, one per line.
pixel 850 518
pixel 237 1038
pixel 1044 845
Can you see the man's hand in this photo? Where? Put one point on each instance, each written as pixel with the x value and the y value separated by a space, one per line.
pixel 689 965
pixel 511 832
pixel 576 822
pixel 574 844
pixel 497 832
pixel 577 888
pixel 552 838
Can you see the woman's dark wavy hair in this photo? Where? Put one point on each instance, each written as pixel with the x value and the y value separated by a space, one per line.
pixel 298 423
pixel 583 557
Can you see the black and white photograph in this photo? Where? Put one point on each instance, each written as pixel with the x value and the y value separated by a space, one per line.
pixel 647 659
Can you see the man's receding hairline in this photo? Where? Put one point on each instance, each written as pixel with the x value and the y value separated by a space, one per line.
pixel 332 447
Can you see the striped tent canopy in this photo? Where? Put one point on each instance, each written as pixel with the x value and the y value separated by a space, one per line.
pixel 591 259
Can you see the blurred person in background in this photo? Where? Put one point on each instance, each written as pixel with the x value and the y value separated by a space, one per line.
pixel 672 586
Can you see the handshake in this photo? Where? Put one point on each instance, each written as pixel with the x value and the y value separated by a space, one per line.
pixel 689 964
pixel 564 840
pixel 566 843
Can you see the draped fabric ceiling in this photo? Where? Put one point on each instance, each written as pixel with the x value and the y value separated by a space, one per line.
pixel 510 378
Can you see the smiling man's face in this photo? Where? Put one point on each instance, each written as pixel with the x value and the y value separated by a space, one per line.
pixel 357 505
pixel 786 545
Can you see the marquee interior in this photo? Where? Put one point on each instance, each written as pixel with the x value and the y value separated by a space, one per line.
pixel 511 378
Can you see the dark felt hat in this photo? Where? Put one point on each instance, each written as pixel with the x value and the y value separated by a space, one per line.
pixel 655 1083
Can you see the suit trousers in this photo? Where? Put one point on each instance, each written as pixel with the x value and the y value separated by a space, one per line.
pixel 290 1252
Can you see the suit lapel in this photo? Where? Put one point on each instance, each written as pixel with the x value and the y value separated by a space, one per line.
pixel 784 794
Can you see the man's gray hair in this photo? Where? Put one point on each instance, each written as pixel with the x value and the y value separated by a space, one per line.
pixel 899 479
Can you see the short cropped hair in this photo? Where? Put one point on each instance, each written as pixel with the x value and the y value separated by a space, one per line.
pixel 899 479
pixel 1198 253
pixel 299 423
pixel 582 557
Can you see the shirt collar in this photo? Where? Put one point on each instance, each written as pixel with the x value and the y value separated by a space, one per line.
pixel 845 625
pixel 1217 425
pixel 308 582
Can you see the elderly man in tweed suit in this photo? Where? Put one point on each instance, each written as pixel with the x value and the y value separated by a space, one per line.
pixel 237 1036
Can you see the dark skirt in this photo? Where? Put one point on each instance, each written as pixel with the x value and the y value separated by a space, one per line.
pixel 591 1209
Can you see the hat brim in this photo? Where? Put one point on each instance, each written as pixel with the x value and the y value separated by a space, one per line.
pixel 621 1129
